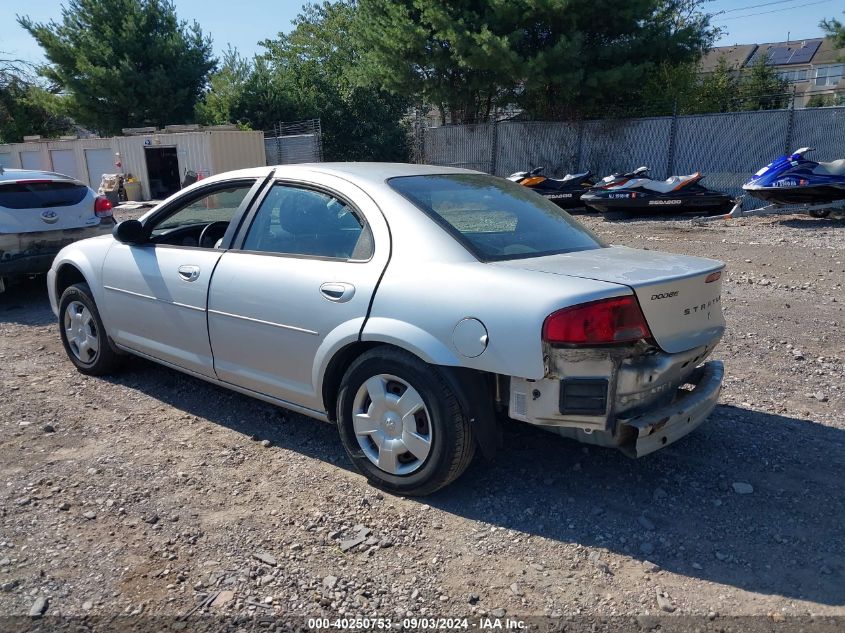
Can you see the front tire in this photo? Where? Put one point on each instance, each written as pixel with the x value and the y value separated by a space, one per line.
pixel 401 424
pixel 83 335
pixel 819 213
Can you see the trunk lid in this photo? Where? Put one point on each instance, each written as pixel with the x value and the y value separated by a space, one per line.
pixel 682 307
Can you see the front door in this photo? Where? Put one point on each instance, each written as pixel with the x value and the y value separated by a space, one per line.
pixel 301 280
pixel 157 292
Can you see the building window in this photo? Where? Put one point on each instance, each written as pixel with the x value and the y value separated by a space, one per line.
pixel 829 75
pixel 795 75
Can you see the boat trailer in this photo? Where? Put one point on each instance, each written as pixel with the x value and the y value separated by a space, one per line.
pixel 821 210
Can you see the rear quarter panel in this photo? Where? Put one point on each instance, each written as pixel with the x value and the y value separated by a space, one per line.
pixel 432 282
pixel 419 306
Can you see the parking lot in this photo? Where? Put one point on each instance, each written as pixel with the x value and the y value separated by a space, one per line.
pixel 153 492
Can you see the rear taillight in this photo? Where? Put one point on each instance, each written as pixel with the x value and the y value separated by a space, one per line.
pixel 603 322
pixel 102 207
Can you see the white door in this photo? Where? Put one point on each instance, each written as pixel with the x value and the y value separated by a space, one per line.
pixel 305 274
pixel 6 160
pixel 64 162
pixel 31 160
pixel 99 162
pixel 156 292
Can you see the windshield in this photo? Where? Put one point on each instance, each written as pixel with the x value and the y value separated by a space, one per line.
pixel 495 218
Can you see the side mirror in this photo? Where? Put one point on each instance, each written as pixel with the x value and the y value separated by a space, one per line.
pixel 129 232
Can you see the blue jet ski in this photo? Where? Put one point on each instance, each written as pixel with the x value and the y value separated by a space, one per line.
pixel 795 180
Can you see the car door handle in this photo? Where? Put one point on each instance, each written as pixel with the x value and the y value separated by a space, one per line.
pixel 337 291
pixel 189 273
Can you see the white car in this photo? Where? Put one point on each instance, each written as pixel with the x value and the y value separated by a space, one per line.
pixel 40 212
pixel 415 306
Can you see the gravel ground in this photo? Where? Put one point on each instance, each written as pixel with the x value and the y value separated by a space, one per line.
pixel 155 493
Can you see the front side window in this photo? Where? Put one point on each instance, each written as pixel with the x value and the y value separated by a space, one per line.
pixel 296 221
pixel 218 206
pixel 203 221
pixel 494 218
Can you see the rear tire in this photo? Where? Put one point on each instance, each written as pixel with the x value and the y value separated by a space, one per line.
pixel 820 213
pixel 83 335
pixel 409 446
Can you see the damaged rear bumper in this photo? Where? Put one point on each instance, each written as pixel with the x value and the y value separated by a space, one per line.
pixel 637 399
pixel 689 408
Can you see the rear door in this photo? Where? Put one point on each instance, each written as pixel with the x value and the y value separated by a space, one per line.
pixel 45 204
pixel 300 280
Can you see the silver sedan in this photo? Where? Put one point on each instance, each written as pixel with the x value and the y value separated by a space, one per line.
pixel 416 307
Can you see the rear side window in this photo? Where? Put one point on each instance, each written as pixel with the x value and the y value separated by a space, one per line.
pixel 495 219
pixel 41 194
pixel 296 221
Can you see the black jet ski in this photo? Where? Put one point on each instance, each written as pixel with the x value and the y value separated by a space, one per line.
pixel 640 194
pixel 565 192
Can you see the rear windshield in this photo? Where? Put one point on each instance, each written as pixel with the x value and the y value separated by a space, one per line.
pixel 495 218
pixel 41 194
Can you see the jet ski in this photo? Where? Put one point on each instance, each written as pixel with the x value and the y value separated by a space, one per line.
pixel 616 179
pixel 797 180
pixel 565 192
pixel 639 193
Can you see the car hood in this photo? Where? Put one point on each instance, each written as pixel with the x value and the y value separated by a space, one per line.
pixel 678 295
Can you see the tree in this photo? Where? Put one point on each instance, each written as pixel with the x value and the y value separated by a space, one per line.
pixel 225 89
pixel 554 58
pixel 311 73
pixel 316 64
pixel 824 101
pixel 441 54
pixel 25 106
pixel 762 88
pixel 717 91
pixel 670 89
pixel 835 30
pixel 125 62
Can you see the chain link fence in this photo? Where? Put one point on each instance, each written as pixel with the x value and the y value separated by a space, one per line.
pixel 295 142
pixel 727 147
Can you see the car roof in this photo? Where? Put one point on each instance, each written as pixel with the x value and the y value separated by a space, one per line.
pixel 371 171
pixel 31 174
pixel 379 172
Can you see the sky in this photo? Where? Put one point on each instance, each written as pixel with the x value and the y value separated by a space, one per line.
pixel 745 21
pixel 771 20
pixel 242 23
